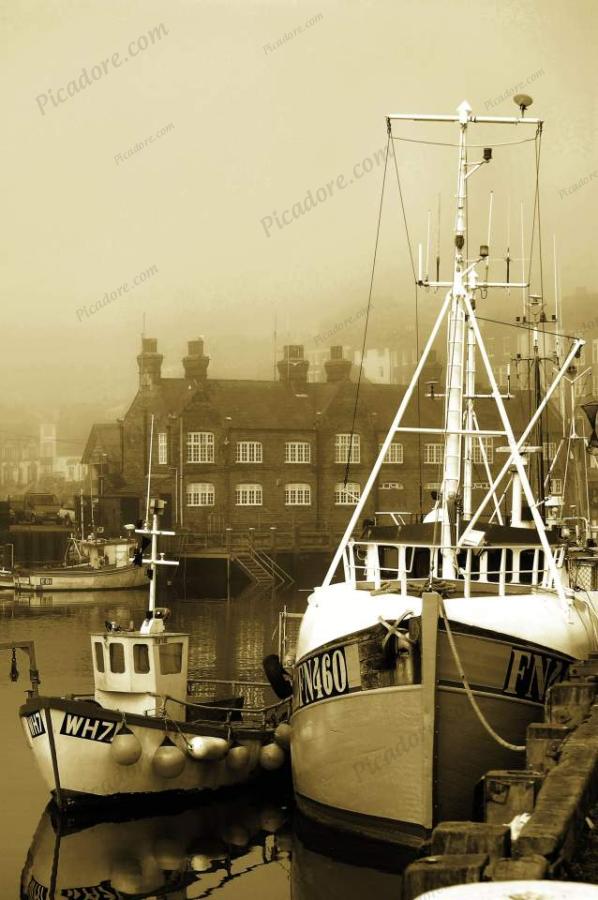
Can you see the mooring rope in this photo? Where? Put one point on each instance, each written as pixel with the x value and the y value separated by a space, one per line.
pixel 518 748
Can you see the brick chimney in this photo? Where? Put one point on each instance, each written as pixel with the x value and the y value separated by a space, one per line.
pixel 196 362
pixel 337 368
pixel 149 362
pixel 292 368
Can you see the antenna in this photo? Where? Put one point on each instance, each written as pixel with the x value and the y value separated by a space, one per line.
pixel 438 243
pixel 149 473
pixel 522 262
pixel 428 246
pixel 489 231
pixel 508 257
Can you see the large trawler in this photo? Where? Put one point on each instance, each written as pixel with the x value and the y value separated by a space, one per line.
pixel 420 669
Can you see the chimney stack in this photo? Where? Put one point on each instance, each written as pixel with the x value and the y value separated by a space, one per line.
pixel 337 368
pixel 196 362
pixel 149 362
pixel 292 368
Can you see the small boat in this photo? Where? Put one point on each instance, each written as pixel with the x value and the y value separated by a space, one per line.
pixel 141 733
pixel 421 668
pixel 99 565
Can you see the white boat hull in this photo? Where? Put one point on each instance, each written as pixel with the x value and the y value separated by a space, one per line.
pixel 71 743
pixel 81 579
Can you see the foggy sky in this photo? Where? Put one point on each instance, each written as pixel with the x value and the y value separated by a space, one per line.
pixel 260 119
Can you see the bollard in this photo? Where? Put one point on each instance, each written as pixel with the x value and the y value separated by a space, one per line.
pixel 509 793
pixel 569 702
pixel 471 837
pixel 543 745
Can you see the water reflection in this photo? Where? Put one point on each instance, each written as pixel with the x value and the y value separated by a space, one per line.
pixel 241 847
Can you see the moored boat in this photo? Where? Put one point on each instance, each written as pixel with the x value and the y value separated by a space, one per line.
pixel 421 668
pixel 141 733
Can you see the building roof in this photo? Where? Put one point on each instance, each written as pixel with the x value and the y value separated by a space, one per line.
pixel 105 438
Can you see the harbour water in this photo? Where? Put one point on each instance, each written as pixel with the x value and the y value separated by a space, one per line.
pixel 242 846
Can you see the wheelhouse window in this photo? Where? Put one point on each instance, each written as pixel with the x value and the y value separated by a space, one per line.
pixel 297 452
pixel 488 443
pixel 249 495
pixel 200 447
pixel 394 454
pixel 141 662
pixel 201 494
pixel 347 448
pixel 117 658
pixel 347 494
pixel 99 655
pixel 162 448
pixel 249 452
pixel 433 454
pixel 297 495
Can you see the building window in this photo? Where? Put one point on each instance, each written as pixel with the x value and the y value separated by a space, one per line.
pixel 347 494
pixel 394 454
pixel 432 486
pixel 297 495
pixel 200 447
pixel 200 495
pixel 249 452
pixel 249 495
pixel 162 448
pixel 548 450
pixel 392 486
pixel 502 376
pixel 297 452
pixel 556 486
pixel 595 351
pixel 488 443
pixel 433 454
pixel 346 448
pixel 595 384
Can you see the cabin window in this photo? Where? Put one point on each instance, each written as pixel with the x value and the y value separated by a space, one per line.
pixel 117 658
pixel 171 658
pixel 99 653
pixel 394 454
pixel 141 661
pixel 347 448
pixel 249 452
pixel 200 447
pixel 347 494
pixel 433 454
pixel 297 495
pixel 526 566
pixel 488 444
pixel 297 452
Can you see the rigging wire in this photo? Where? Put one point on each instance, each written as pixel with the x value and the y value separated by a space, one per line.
pixel 367 319
pixel 397 137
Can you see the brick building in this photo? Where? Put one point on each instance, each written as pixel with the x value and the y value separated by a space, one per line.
pixel 246 454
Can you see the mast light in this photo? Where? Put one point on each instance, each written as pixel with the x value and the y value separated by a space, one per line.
pixel 522 101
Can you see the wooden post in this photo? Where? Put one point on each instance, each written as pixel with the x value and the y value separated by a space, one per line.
pixel 430 609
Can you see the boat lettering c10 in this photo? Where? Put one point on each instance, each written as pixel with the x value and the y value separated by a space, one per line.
pixel 530 674
pixel 326 674
pixel 90 729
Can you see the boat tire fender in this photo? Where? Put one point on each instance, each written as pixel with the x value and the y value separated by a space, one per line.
pixel 277 676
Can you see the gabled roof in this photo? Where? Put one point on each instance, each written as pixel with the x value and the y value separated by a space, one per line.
pixel 104 437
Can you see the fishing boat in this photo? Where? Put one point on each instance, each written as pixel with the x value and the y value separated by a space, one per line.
pixel 93 564
pixel 147 729
pixel 421 667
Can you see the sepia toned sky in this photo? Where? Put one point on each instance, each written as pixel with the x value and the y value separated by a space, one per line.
pixel 251 105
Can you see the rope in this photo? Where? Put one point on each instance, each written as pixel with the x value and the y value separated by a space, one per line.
pixel 470 695
pixel 367 319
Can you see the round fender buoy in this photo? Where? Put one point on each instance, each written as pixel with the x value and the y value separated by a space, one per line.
pixel 237 758
pixel 282 735
pixel 135 875
pixel 207 748
pixel 168 760
pixel 125 748
pixel 205 853
pixel 271 757
pixel 272 818
pixel 276 675
pixel 169 854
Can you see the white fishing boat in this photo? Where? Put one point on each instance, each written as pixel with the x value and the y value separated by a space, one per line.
pixel 141 733
pixel 421 668
pixel 101 565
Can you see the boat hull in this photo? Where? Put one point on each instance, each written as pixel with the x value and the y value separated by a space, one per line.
pixel 105 579
pixel 71 743
pixel 368 760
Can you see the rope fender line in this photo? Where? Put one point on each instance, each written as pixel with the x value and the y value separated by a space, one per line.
pixel 517 748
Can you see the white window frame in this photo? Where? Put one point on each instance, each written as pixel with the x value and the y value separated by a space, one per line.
pixel 394 454
pixel 488 443
pixel 298 452
pixel 556 486
pixel 392 486
pixel 249 495
pixel 297 494
pixel 347 495
pixel 433 454
pixel 162 448
pixel 249 452
pixel 548 451
pixel 200 446
pixel 595 350
pixel 341 448
pixel 200 494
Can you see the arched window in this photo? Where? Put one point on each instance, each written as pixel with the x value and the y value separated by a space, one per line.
pixel 347 494
pixel 200 495
pixel 249 495
pixel 297 495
